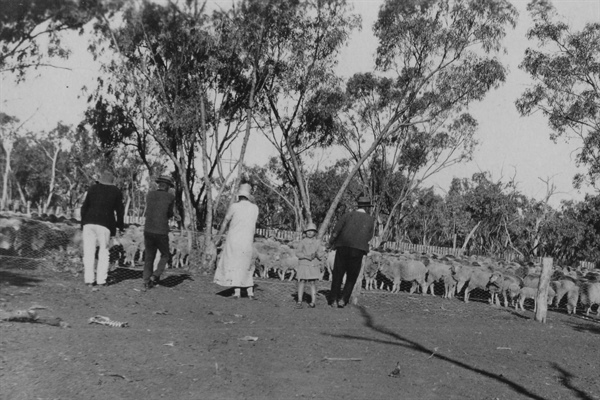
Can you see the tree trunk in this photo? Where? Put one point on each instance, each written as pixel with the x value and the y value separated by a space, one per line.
pixel 7 144
pixel 207 256
pixel 469 236
pixel 249 116
pixel 54 159
pixel 345 184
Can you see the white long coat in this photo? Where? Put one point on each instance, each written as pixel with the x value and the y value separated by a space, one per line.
pixel 234 267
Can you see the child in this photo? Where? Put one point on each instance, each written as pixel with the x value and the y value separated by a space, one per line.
pixel 307 251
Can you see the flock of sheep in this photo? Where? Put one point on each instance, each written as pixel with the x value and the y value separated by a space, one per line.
pixel 507 283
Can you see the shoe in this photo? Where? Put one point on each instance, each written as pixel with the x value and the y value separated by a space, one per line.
pixel 90 284
pixel 234 297
pixel 298 305
pixel 251 297
pixel 312 305
pixel 146 286
pixel 341 304
pixel 154 280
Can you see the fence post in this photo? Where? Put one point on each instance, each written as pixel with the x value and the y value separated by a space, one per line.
pixel 542 294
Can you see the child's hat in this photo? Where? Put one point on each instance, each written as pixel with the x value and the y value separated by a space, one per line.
pixel 310 227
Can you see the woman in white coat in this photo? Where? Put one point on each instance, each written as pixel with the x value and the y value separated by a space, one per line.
pixel 235 267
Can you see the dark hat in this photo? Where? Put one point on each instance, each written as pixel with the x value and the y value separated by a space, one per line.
pixel 165 179
pixel 364 201
pixel 106 178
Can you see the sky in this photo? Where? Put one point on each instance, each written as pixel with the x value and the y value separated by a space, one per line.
pixel 510 145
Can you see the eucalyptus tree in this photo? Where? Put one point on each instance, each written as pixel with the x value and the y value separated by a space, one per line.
pixel 404 160
pixel 172 80
pixel 302 51
pixel 565 68
pixel 435 58
pixel 30 30
pixel 9 127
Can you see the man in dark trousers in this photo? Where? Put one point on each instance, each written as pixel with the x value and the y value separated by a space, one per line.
pixel 160 207
pixel 101 215
pixel 350 238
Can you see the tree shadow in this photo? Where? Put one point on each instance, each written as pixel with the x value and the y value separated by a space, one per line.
pixel 175 280
pixel 122 274
pixel 399 340
pixel 566 379
pixel 15 279
pixel 19 263
pixel 586 326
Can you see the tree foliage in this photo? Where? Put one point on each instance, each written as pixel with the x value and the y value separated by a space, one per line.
pixel 30 30
pixel 565 68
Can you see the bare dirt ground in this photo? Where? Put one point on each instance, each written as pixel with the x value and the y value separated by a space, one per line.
pixel 189 340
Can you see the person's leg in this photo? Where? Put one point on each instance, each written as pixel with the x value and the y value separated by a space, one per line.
pixel 162 242
pixel 313 293
pixel 237 292
pixel 149 255
pixel 250 291
pixel 89 253
pixel 352 272
pixel 337 275
pixel 103 237
pixel 300 291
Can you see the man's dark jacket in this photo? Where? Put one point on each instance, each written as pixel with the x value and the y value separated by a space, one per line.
pixel 100 206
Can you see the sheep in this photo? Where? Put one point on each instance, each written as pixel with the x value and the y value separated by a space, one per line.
pixel 265 255
pixel 506 284
pixel 476 276
pixel 436 271
pixel 531 293
pixel 589 294
pixel 566 285
pixel 404 268
pixel 371 265
pixel 287 262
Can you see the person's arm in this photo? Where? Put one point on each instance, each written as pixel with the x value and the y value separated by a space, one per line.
pixel 302 252
pixel 228 217
pixel 337 229
pixel 173 213
pixel 84 207
pixel 120 209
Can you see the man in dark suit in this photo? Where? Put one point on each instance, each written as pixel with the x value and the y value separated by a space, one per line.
pixel 350 238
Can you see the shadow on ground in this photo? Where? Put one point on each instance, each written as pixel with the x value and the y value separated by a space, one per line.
pixel 10 278
pixel 399 340
pixel 122 274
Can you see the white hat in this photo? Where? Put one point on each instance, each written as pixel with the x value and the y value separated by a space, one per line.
pixel 244 190
pixel 310 227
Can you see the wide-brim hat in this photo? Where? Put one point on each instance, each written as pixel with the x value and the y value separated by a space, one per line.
pixel 106 178
pixel 364 201
pixel 310 227
pixel 244 191
pixel 165 179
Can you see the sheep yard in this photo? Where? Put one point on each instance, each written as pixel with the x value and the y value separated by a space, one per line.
pixel 188 340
